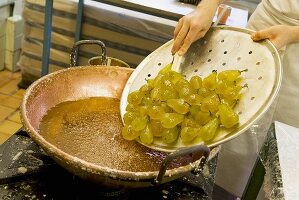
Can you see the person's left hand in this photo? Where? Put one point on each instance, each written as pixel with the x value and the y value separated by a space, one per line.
pixel 278 35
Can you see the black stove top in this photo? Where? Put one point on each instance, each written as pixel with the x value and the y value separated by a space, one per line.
pixel 27 172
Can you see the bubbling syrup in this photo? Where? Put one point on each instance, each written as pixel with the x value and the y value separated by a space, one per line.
pixel 90 129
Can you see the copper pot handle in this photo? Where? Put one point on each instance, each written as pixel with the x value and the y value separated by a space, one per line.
pixel 203 149
pixel 73 56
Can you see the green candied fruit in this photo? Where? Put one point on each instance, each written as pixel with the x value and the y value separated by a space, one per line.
pixel 146 136
pixel 135 98
pixel 139 123
pixel 170 120
pixel 170 135
pixel 188 134
pixel 128 133
pixel 196 82
pixel 178 105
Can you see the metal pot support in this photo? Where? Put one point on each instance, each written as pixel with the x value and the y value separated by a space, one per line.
pixel 202 150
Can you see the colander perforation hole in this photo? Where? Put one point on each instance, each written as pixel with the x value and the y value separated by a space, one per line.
pixel 252 98
pixel 225 52
pixel 159 64
pixel 258 63
pixel 222 40
pixel 259 78
pixel 239 58
pixel 196 70
pixel 192 63
pixel 210 50
pixel 240 112
pixel 250 52
pixel 209 60
pixel 223 64
pixel 149 75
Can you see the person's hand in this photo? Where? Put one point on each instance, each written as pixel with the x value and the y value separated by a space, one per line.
pixel 190 28
pixel 279 35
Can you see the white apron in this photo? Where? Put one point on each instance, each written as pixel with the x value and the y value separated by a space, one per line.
pixel 237 157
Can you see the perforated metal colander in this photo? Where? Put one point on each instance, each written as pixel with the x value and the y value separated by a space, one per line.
pixel 221 49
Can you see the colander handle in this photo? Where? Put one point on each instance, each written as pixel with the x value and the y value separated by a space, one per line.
pixel 74 50
pixel 198 149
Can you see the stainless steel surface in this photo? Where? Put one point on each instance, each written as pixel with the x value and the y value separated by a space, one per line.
pixel 221 49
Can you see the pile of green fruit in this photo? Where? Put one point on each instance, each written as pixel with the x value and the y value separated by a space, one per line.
pixel 169 107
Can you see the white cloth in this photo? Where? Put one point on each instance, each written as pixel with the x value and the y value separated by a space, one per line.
pixel 238 156
pixel 266 15
pixel 289 8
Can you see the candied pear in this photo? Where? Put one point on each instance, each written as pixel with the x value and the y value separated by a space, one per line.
pixel 178 105
pixel 146 136
pixel 210 104
pixel 228 117
pixel 196 82
pixel 156 128
pixel 170 135
pixel 210 82
pixel 170 120
pixel 130 116
pixel 202 117
pixel 135 98
pixel 188 134
pixel 230 75
pixel 208 131
pixel 190 122
pixel 166 69
pixel 156 112
pixel 139 123
pixel 128 133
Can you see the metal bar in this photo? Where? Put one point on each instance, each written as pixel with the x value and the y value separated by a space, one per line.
pixel 47 37
pixel 79 24
pixel 79 20
pixel 144 9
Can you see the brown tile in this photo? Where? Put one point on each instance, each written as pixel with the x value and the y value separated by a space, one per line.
pixel 16 75
pixel 19 94
pixel 5 112
pixel 4 137
pixel 9 127
pixel 5 74
pixel 9 101
pixel 10 87
pixel 15 117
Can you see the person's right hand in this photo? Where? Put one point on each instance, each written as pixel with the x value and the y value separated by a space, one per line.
pixel 190 28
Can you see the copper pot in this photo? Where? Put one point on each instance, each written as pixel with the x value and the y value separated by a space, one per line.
pixel 83 82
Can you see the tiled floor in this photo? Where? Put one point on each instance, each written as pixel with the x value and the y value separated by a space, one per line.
pixel 10 99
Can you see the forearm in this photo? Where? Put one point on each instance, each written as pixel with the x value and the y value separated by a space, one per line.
pixel 209 5
pixel 294 34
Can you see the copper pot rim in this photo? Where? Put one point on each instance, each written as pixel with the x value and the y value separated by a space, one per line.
pixel 80 163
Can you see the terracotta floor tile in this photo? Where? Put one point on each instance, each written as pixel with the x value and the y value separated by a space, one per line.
pixel 10 87
pixel 10 75
pixel 9 127
pixel 5 112
pixel 15 117
pixel 5 76
pixel 16 75
pixel 9 101
pixel 4 137
pixel 19 94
